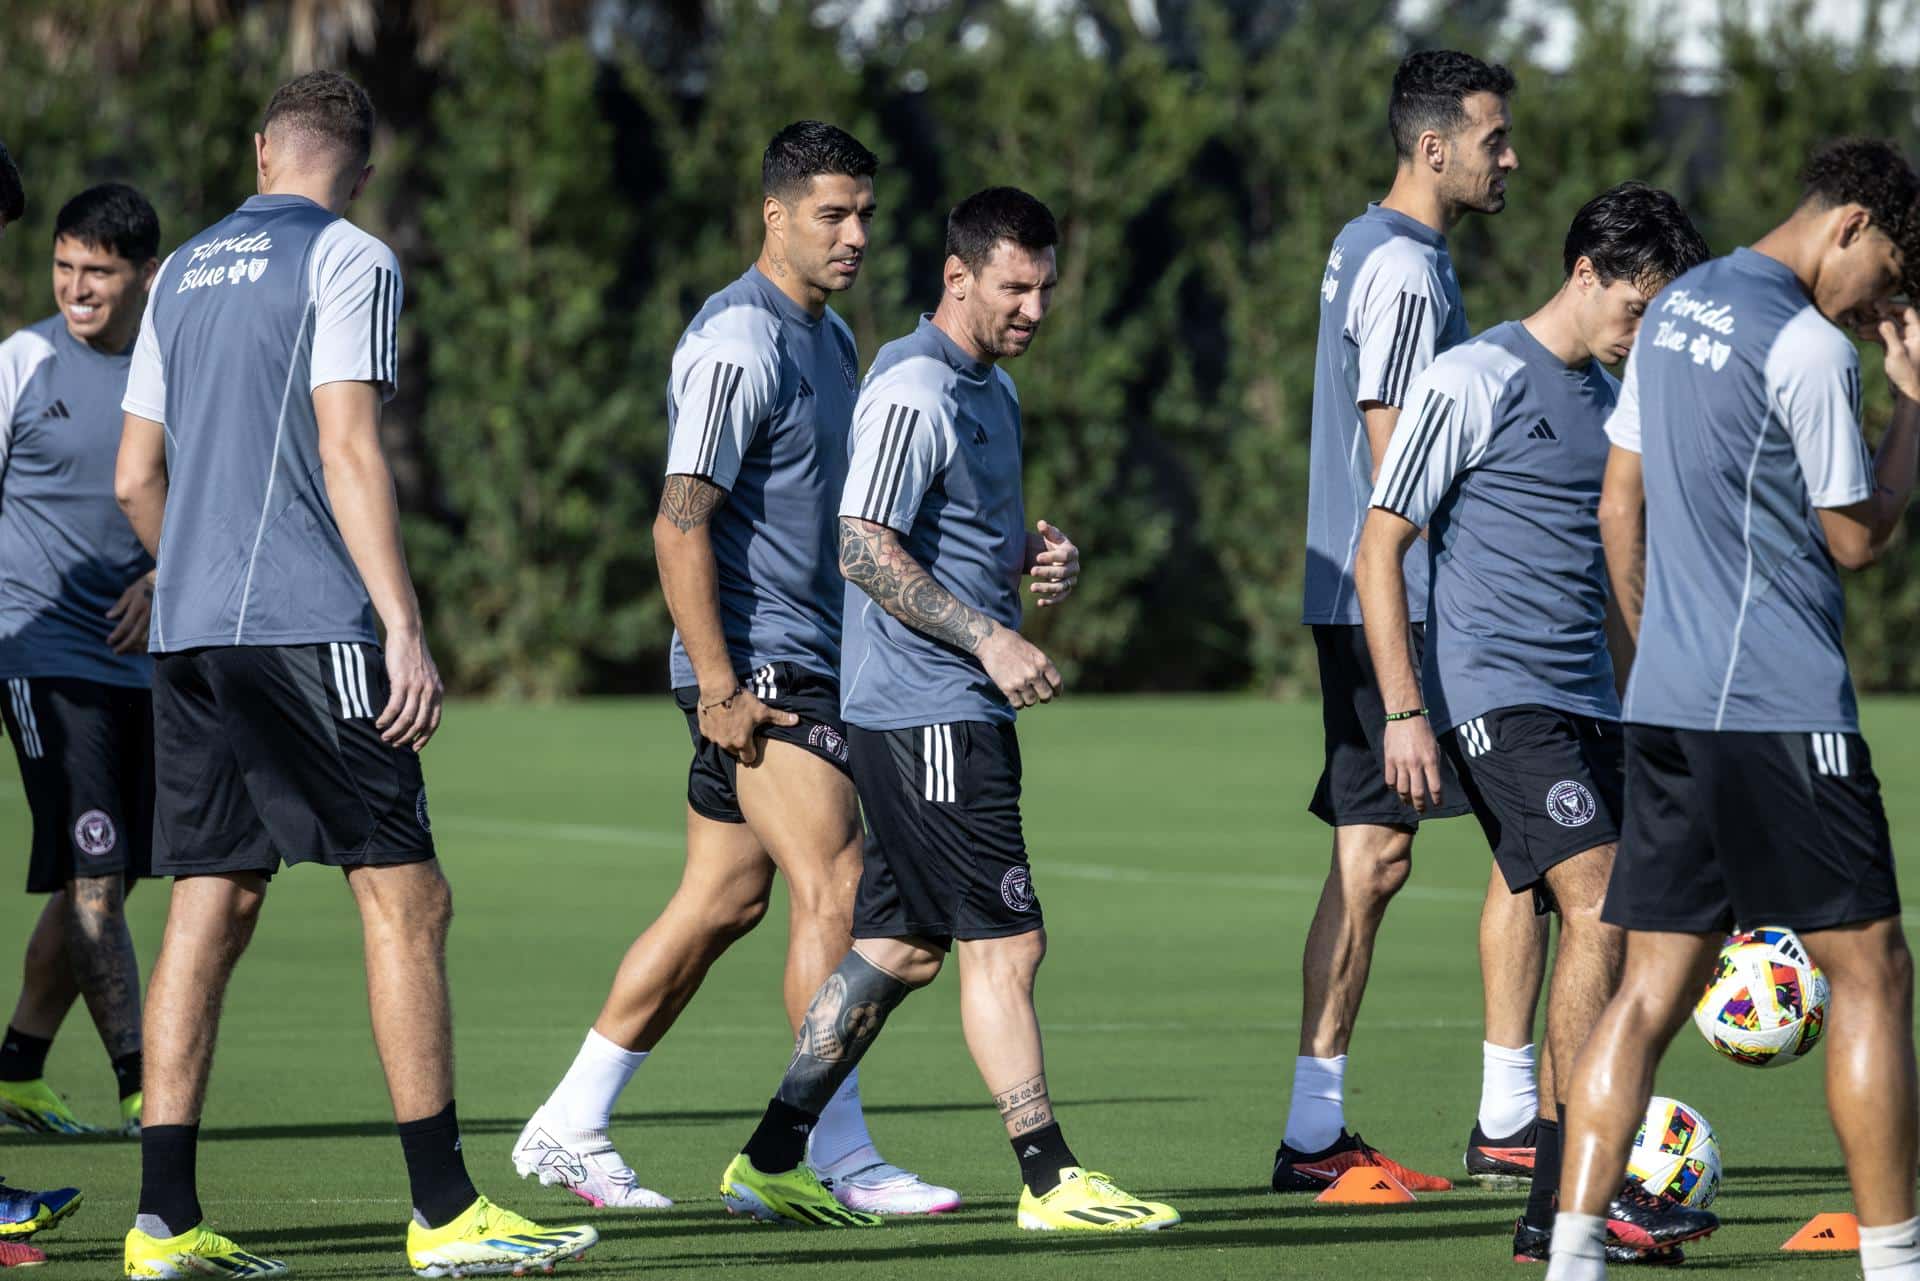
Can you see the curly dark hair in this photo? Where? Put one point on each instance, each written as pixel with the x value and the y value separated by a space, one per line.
pixel 1635 232
pixel 1873 174
pixel 1430 91
pixel 13 196
pixel 988 217
pixel 804 150
pixel 328 108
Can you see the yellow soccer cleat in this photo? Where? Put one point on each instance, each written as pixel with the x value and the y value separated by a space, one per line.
pixel 130 1114
pixel 194 1253
pixel 796 1196
pixel 1087 1202
pixel 32 1105
pixel 488 1239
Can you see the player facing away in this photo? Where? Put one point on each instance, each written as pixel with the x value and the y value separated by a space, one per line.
pixel 933 543
pixel 1751 795
pixel 1501 462
pixel 1388 304
pixel 758 409
pixel 75 592
pixel 283 729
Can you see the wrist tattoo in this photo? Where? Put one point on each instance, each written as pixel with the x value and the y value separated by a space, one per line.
pixel 689 501
pixel 872 559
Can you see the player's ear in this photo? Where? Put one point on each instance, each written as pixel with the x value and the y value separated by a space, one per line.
pixel 774 215
pixel 148 270
pixel 1432 150
pixel 360 183
pixel 260 156
pixel 958 278
pixel 1854 222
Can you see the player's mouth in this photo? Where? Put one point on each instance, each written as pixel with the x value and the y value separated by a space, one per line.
pixel 845 266
pixel 83 313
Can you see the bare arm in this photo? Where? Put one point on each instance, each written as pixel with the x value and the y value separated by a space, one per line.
pixel 1856 535
pixel 1623 533
pixel 140 478
pixel 1380 420
pixel 1411 755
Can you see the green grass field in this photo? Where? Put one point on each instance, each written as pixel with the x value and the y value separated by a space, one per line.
pixel 1178 867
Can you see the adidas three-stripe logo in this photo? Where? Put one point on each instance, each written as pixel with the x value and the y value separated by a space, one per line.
pixel 883 489
pixel 350 681
pixel 1542 430
pixel 936 760
pixel 1474 739
pixel 1413 461
pixel 382 347
pixel 761 684
pixel 22 695
pixel 1830 754
pixel 1407 321
pixel 725 383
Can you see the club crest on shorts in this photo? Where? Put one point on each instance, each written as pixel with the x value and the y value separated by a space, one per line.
pixel 828 741
pixel 94 834
pixel 420 812
pixel 1570 804
pixel 1016 889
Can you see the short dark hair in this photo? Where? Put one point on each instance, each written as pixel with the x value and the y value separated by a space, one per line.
pixel 328 108
pixel 111 216
pixel 988 217
pixel 806 149
pixel 1875 175
pixel 1430 91
pixel 1637 233
pixel 13 196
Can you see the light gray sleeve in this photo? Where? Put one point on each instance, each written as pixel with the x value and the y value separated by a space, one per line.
pixel 356 290
pixel 1444 433
pixel 1623 424
pixel 1813 384
pixel 146 393
pixel 1396 311
pixel 902 438
pixel 20 359
pixel 723 388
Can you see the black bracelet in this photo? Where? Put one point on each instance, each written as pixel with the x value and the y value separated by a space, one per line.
pixel 722 702
pixel 1407 715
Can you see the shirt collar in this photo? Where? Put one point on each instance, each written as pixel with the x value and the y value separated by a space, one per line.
pixel 1407 226
pixel 776 296
pixel 951 351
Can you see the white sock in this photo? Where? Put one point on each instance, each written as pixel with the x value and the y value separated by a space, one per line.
pixel 842 1128
pixel 1579 1250
pixel 1891 1253
pixel 585 1097
pixel 1509 1094
pixel 1318 1112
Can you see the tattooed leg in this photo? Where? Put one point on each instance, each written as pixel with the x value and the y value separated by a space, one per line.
pixel 846 1014
pixel 1003 1032
pixel 1025 1107
pixel 100 949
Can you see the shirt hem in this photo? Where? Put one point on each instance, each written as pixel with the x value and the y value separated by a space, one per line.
pixel 264 640
pixel 120 680
pixel 887 724
pixel 1836 725
pixel 1571 707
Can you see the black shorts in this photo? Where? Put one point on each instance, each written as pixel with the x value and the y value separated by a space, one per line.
pixel 945 857
pixel 1353 785
pixel 268 753
pixel 814 698
pixel 86 763
pixel 1749 829
pixel 1545 785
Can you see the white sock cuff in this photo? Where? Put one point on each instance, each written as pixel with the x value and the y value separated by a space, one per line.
pixel 612 1052
pixel 1582 1236
pixel 1894 1246
pixel 1520 1058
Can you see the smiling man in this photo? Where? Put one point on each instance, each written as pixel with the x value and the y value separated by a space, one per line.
pixel 75 591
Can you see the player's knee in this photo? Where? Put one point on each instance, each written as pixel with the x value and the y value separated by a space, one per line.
pixel 736 916
pixel 95 903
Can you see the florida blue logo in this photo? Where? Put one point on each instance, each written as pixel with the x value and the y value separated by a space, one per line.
pixel 1570 804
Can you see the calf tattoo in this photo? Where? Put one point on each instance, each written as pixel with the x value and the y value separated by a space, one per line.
pixel 100 950
pixel 847 1013
pixel 1026 1107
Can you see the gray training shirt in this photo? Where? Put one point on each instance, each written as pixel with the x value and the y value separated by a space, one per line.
pixel 936 458
pixel 1744 404
pixel 246 320
pixel 1388 303
pixel 1501 458
pixel 759 402
pixel 66 550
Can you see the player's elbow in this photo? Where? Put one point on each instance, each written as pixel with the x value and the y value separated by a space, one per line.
pixel 1853 554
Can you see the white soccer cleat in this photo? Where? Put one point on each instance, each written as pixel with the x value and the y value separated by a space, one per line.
pixel 584 1163
pixel 862 1181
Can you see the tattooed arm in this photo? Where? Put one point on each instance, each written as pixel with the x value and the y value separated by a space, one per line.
pixel 873 559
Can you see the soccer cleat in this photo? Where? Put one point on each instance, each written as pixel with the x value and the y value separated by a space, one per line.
pixel 1530 1246
pixel 583 1162
pixel 15 1255
pixel 31 1105
pixel 1295 1171
pixel 1087 1202
pixel 796 1196
pixel 879 1188
pixel 488 1239
pixel 24 1213
pixel 130 1114
pixel 1644 1220
pixel 1500 1163
pixel 196 1252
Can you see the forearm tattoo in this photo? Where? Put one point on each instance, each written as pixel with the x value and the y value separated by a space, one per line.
pixel 872 559
pixel 1026 1107
pixel 847 1013
pixel 100 950
pixel 689 501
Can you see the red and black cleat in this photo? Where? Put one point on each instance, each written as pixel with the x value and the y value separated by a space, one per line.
pixel 1296 1171
pixel 1644 1220
pixel 1530 1246
pixel 1500 1163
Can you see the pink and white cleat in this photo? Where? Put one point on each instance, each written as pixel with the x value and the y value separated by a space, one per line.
pixel 862 1181
pixel 584 1163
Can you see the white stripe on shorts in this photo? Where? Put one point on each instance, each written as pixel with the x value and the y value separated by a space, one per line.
pixel 24 717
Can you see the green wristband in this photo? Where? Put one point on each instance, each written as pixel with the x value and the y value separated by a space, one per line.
pixel 1407 715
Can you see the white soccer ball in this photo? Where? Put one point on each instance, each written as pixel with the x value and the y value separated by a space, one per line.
pixel 1675 1154
pixel 1767 1002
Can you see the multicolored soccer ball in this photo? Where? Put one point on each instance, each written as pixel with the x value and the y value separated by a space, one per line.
pixel 1767 1002
pixel 1675 1154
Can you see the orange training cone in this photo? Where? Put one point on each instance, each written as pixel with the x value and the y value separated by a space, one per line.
pixel 1836 1232
pixel 1366 1185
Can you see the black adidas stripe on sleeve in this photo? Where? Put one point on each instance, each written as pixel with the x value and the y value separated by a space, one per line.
pixel 724 384
pixel 1406 341
pixel 382 331
pixel 1413 461
pixel 890 467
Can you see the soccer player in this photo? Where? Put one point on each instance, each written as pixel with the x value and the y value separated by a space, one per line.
pixel 933 542
pixel 1389 303
pixel 1751 795
pixel 283 728
pixel 1501 462
pixel 75 592
pixel 758 410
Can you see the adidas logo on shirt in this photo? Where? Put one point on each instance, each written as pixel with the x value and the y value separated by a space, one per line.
pixel 58 409
pixel 806 388
pixel 979 435
pixel 1542 430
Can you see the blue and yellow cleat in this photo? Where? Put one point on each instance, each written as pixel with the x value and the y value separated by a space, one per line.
pixel 196 1252
pixel 488 1239
pixel 24 1213
pixel 32 1105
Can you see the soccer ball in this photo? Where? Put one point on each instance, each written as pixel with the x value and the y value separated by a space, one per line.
pixel 1675 1154
pixel 1767 1002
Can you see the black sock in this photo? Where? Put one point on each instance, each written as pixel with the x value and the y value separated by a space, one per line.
pixel 23 1057
pixel 1043 1154
pixel 780 1140
pixel 438 1173
pixel 169 1192
pixel 1546 1174
pixel 126 1071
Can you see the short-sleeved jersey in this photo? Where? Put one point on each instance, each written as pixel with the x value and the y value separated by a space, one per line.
pixel 66 550
pixel 1500 456
pixel 246 320
pixel 936 458
pixel 759 404
pixel 1389 302
pixel 1744 404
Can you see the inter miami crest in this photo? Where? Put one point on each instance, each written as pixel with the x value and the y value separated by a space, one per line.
pixel 94 834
